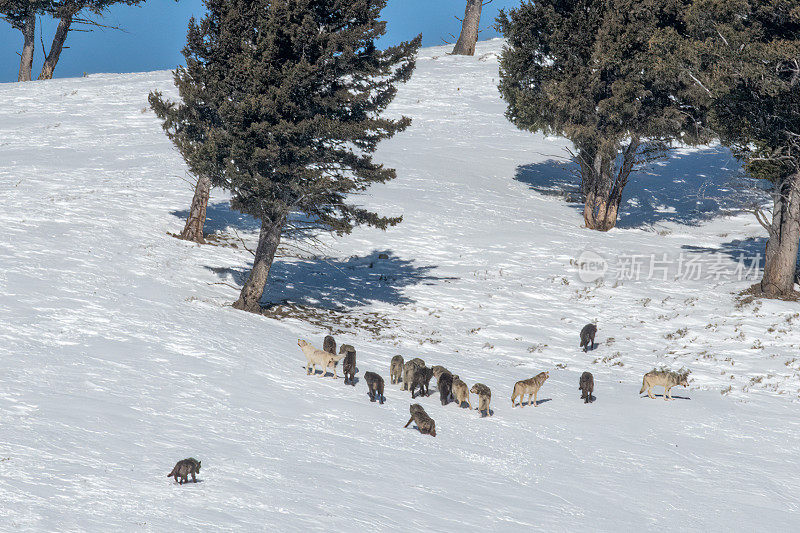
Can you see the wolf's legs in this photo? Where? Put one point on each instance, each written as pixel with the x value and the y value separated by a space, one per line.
pixel 667 393
pixel 535 399
pixel 650 392
pixel 194 479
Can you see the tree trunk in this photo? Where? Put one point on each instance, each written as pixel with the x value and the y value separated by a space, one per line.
pixel 600 213
pixel 268 241
pixel 784 238
pixel 465 46
pixel 602 182
pixel 193 230
pixel 55 49
pixel 29 36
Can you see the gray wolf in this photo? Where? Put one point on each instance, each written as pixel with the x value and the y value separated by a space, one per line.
pixel 184 468
pixel 425 424
pixel 396 369
pixel 484 397
pixel 437 370
pixel 329 344
pixel 349 364
pixel 375 386
pixel 461 392
pixel 666 379
pixel 587 337
pixel 408 371
pixel 316 357
pixel 422 379
pixel 586 386
pixel 530 387
pixel 444 384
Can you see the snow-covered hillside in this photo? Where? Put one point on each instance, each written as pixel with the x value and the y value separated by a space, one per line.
pixel 120 355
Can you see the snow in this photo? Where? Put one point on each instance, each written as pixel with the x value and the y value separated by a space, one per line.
pixel 120 355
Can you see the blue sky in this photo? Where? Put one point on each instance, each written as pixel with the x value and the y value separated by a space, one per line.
pixel 155 33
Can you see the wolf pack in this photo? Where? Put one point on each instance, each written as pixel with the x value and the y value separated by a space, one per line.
pixel 415 376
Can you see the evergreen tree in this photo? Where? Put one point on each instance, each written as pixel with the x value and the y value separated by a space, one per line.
pixel 465 45
pixel 744 58
pixel 69 13
pixel 584 69
pixel 21 14
pixel 281 105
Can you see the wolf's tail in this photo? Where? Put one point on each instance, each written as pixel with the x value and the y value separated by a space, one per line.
pixel 644 385
pixel 171 473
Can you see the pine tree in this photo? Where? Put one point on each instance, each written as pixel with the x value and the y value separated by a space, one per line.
pixel 21 14
pixel 465 45
pixel 69 13
pixel 743 57
pixel 281 105
pixel 584 69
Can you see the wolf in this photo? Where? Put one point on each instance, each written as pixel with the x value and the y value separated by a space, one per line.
pixel 184 468
pixel 461 392
pixel 396 369
pixel 329 344
pixel 530 387
pixel 422 379
pixel 587 337
pixel 438 370
pixel 349 364
pixel 663 378
pixel 425 424
pixel 586 386
pixel 316 357
pixel 408 371
pixel 375 386
pixel 444 384
pixel 484 397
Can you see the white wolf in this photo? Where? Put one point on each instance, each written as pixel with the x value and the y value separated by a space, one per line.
pixel 316 357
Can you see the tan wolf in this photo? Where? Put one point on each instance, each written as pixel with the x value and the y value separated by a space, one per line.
pixel 316 357
pixel 666 379
pixel 396 369
pixel 184 468
pixel 461 392
pixel 484 397
pixel 530 387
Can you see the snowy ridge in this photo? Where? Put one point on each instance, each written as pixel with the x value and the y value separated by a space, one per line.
pixel 120 356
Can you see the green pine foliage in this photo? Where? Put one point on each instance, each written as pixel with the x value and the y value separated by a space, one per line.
pixel 743 57
pixel 584 69
pixel 281 104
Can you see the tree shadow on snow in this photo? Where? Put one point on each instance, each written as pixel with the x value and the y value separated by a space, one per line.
pixel 662 396
pixel 688 187
pixel 748 249
pixel 220 216
pixel 339 283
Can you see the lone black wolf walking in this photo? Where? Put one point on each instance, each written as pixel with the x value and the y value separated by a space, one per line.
pixel 586 386
pixel 587 337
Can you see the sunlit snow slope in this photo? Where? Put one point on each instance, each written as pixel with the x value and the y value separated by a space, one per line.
pixel 120 355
